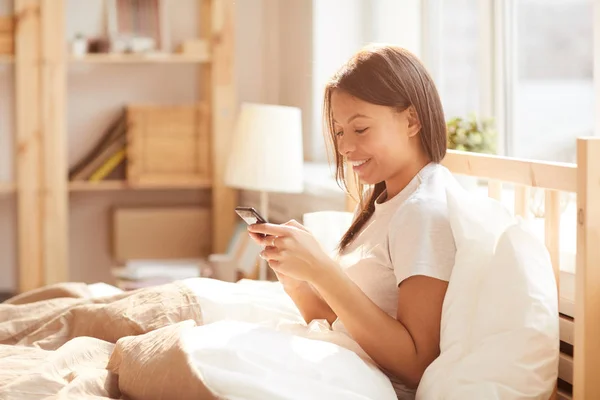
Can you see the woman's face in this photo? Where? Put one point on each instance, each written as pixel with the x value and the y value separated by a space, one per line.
pixel 379 141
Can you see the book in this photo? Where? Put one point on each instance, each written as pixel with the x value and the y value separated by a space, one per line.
pixel 109 144
pixel 110 164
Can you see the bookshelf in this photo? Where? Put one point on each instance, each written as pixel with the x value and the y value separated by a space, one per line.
pixel 45 198
pixel 114 185
pixel 139 59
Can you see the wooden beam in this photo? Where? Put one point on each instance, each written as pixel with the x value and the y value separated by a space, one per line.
pixel 55 212
pixel 522 202
pixel 552 230
pixel 495 190
pixel 28 132
pixel 587 286
pixel 545 175
pixel 219 88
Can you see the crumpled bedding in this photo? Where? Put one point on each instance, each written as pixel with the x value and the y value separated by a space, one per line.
pixel 194 339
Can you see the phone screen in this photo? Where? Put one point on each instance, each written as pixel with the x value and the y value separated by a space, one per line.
pixel 250 215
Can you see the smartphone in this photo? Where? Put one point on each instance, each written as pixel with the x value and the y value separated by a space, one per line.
pixel 250 215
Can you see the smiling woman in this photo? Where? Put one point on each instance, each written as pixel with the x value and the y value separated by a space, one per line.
pixel 386 286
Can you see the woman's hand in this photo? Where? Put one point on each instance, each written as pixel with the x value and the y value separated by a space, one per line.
pixel 288 283
pixel 291 250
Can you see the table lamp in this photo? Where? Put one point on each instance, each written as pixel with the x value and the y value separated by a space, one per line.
pixel 267 154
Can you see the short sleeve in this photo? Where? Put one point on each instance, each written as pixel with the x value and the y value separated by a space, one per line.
pixel 421 240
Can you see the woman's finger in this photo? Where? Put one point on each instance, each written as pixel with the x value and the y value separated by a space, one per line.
pixel 270 253
pixel 269 241
pixel 258 238
pixel 270 229
pixel 296 224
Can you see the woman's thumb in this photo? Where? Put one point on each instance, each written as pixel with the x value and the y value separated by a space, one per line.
pixel 296 224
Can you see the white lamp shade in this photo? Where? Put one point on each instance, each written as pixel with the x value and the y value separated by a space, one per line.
pixel 266 152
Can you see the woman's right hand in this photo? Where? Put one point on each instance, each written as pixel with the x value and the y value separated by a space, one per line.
pixel 288 283
pixel 309 302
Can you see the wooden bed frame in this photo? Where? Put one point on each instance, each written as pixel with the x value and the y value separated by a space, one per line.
pixel 578 373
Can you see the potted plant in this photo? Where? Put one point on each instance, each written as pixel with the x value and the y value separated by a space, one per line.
pixel 471 134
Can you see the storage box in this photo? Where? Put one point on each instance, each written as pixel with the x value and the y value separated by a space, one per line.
pixel 168 145
pixel 161 233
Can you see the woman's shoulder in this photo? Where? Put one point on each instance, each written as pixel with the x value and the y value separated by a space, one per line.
pixel 426 209
pixel 419 211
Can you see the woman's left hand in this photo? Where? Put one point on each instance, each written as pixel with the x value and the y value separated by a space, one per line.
pixel 291 250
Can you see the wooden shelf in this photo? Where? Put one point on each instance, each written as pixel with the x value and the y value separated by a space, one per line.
pixel 42 88
pixel 103 186
pixel 138 59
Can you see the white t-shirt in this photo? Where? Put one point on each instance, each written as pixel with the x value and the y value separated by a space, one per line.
pixel 407 235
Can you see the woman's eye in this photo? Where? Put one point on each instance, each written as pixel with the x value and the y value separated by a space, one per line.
pixel 361 130
pixel 339 133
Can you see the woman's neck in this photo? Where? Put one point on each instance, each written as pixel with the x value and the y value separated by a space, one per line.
pixel 399 181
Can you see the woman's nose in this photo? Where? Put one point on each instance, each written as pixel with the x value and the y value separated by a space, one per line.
pixel 345 145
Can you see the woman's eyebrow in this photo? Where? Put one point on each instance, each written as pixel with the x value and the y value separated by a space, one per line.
pixel 354 117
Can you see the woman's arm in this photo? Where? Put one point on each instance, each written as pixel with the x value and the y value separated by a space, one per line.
pixel 310 304
pixel 404 346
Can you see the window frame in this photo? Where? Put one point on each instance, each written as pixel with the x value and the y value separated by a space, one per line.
pixel 498 61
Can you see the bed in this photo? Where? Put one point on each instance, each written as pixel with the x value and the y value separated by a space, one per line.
pixel 207 339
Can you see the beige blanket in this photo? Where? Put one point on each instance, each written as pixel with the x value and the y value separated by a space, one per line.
pixel 59 343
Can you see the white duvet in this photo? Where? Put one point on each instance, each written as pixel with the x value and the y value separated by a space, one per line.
pixel 254 344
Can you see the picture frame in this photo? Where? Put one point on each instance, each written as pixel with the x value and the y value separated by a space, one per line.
pixel 137 26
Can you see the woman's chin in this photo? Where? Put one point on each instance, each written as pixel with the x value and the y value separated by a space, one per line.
pixel 367 180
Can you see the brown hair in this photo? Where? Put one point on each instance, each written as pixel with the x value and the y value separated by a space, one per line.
pixel 387 76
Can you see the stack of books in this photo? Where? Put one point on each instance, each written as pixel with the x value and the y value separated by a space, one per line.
pixel 136 274
pixel 104 158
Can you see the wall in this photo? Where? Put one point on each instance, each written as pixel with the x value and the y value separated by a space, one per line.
pixel 597 67
pixel 7 202
pixel 317 37
pixel 95 95
pixel 295 60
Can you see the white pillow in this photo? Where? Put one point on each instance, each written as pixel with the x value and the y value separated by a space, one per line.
pixel 499 337
pixel 476 224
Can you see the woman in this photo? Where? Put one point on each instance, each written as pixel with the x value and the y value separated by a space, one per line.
pixel 387 286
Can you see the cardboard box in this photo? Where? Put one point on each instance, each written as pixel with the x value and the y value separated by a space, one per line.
pixel 161 233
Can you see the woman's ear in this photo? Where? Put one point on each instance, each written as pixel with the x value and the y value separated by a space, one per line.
pixel 414 124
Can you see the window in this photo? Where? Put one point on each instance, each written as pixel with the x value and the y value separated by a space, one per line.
pixel 340 28
pixel 458 74
pixel 553 93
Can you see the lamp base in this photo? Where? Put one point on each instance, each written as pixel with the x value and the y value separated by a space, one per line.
pixel 264 210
